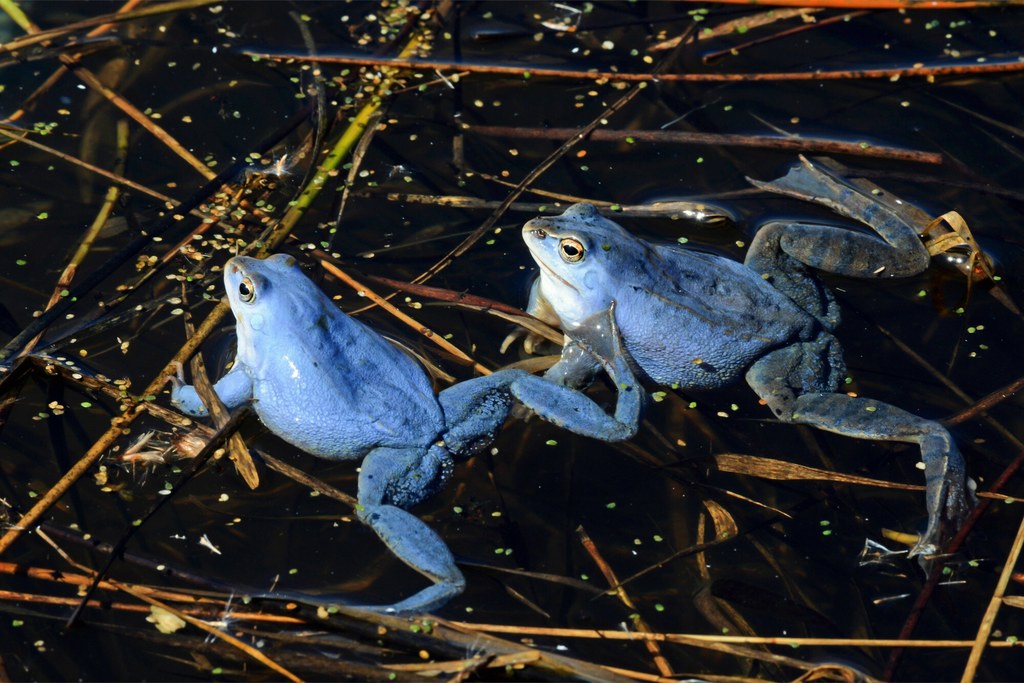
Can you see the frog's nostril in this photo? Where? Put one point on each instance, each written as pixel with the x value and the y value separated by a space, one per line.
pixel 539 234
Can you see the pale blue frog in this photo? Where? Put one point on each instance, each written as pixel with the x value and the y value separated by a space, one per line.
pixel 701 321
pixel 331 386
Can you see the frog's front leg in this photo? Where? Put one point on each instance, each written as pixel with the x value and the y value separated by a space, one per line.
pixel 391 479
pixel 783 380
pixel 899 253
pixel 234 389
pixel 576 368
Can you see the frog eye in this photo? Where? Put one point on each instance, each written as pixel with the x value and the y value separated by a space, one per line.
pixel 570 250
pixel 246 291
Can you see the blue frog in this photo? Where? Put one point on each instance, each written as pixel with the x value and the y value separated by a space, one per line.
pixel 333 387
pixel 702 321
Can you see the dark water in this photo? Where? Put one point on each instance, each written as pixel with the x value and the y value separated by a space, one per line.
pixel 519 506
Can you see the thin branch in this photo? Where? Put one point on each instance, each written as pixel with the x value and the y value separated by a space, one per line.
pixel 892 73
pixel 12 46
pixel 985 629
pixel 690 638
pixel 869 4
pixel 794 143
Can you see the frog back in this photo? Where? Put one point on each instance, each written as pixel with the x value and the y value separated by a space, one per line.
pixel 322 380
pixel 699 320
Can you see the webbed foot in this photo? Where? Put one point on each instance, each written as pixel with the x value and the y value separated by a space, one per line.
pixel 900 251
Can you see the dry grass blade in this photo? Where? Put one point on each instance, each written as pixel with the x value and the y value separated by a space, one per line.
pixel 393 310
pixel 101 445
pixel 479 303
pixel 528 180
pixel 986 402
pixel 937 573
pixel 985 628
pixel 780 470
pixel 24 139
pixel 745 24
pixel 237 451
pixel 809 24
pixel 113 192
pixel 12 46
pixel 60 71
pixel 147 123
pixel 725 525
pixel 213 631
pixel 638 621
pixel 950 231
pixel 691 638
pixel 871 4
pixel 147 595
pixel 732 645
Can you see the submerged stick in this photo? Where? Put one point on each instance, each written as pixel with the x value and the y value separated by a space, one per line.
pixel 797 144
pixel 892 73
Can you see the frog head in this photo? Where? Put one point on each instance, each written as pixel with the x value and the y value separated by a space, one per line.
pixel 271 298
pixel 583 258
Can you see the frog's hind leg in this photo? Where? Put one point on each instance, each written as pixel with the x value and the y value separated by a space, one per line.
pixel 599 344
pixel 779 378
pixel 900 251
pixel 474 410
pixel 788 274
pixel 389 480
